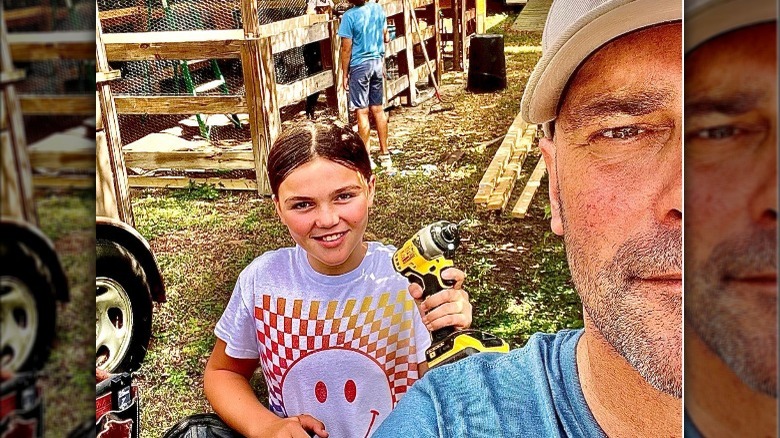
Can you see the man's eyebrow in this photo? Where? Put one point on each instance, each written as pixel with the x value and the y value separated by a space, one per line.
pixel 730 105
pixel 634 104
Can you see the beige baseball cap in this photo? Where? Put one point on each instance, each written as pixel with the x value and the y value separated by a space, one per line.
pixel 575 29
pixel 706 19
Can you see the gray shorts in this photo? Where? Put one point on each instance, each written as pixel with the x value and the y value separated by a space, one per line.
pixel 366 84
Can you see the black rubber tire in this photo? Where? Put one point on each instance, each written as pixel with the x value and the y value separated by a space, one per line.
pixel 23 264
pixel 117 263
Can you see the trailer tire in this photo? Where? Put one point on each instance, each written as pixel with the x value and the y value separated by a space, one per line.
pixel 123 309
pixel 28 306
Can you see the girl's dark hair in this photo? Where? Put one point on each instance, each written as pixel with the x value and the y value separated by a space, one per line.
pixel 306 141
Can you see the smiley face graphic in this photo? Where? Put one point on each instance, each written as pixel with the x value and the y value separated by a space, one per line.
pixel 345 389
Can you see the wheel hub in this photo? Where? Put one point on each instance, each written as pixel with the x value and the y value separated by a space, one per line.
pixel 113 323
pixel 18 322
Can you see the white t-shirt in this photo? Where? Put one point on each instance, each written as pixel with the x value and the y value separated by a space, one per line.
pixel 342 348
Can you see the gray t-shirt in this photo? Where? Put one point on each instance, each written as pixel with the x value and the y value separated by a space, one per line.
pixel 342 348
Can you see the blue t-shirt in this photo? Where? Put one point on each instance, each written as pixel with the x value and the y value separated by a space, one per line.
pixel 533 391
pixel 689 428
pixel 364 25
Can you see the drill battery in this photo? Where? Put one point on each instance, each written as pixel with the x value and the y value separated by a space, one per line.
pixel 461 344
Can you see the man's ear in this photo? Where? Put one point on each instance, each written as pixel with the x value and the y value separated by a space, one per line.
pixel 371 187
pixel 547 146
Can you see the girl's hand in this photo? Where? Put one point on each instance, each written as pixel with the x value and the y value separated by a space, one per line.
pixel 449 307
pixel 299 426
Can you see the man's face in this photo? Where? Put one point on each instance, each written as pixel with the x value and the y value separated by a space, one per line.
pixel 615 168
pixel 731 201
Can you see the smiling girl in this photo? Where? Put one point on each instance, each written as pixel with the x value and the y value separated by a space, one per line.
pixel 333 327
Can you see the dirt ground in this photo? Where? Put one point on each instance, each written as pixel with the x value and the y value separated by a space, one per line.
pixel 516 270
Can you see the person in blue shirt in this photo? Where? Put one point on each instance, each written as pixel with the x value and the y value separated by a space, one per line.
pixel 731 219
pixel 363 32
pixel 608 90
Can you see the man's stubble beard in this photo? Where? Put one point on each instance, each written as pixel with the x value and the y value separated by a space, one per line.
pixel 710 309
pixel 616 306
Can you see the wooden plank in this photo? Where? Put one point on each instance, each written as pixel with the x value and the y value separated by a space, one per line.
pixel 180 104
pixel 57 104
pixel 15 75
pixel 297 91
pixel 218 44
pixel 532 17
pixel 338 93
pixel 299 37
pixel 534 181
pixel 167 151
pixel 113 14
pixel 417 4
pixel 410 29
pixel 393 7
pixel 39 46
pixel 427 33
pixel 436 42
pixel 503 191
pixel 260 85
pixel 278 27
pixel 422 71
pixel 21 14
pixel 395 45
pixel 395 87
pixel 16 184
pixel 64 150
pixel 111 189
pixel 107 76
pixel 177 182
pixel 64 181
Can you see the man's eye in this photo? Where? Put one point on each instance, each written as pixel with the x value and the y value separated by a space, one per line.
pixel 622 133
pixel 345 196
pixel 717 132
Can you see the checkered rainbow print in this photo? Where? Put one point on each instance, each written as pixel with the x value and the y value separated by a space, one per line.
pixel 379 326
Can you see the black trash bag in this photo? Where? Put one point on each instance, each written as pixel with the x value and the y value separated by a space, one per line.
pixel 201 426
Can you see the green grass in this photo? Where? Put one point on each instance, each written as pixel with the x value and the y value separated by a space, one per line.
pixel 61 215
pixel 67 218
pixel 171 214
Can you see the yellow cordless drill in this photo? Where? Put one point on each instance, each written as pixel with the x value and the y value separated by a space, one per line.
pixel 422 259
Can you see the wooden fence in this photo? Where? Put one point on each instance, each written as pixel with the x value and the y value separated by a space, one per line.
pixel 255 45
pixel 72 150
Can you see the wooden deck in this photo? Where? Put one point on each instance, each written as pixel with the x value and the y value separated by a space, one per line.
pixel 532 17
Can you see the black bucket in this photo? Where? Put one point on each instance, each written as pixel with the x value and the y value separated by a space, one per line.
pixel 487 63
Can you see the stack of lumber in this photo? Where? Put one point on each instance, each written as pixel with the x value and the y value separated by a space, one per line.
pixel 499 178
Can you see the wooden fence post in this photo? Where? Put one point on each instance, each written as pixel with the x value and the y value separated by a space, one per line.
pixel 437 41
pixel 115 198
pixel 16 181
pixel 338 95
pixel 260 84
pixel 409 33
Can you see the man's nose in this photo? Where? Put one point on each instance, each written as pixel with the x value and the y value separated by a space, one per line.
pixel 670 202
pixel 763 202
